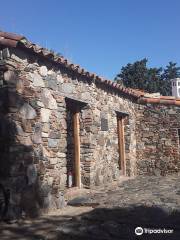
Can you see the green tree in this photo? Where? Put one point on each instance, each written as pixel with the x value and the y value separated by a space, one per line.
pixel 170 72
pixel 154 80
pixel 133 75
pixel 138 75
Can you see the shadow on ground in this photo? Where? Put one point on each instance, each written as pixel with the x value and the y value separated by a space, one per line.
pixel 98 224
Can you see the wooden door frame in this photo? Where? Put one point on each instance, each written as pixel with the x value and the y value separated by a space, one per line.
pixel 77 166
pixel 75 106
pixel 121 144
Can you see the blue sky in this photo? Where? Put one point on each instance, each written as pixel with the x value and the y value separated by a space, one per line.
pixel 100 35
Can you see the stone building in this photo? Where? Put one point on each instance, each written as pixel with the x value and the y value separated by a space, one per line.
pixel 62 126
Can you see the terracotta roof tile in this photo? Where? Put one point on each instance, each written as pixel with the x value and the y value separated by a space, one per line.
pixel 11 36
pixel 167 97
pixel 165 100
pixel 177 102
pixel 14 40
pixel 8 42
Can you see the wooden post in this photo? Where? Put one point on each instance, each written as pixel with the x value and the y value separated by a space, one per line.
pixel 76 149
pixel 122 163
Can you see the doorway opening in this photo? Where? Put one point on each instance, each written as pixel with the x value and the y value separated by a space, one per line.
pixel 74 108
pixel 121 141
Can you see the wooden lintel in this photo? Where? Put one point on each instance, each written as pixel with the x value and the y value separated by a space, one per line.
pixel 122 114
pixel 74 104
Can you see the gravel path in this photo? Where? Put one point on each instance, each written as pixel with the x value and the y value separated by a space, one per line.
pixel 148 202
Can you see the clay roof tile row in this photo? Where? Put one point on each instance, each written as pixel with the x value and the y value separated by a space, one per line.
pixel 14 40
pixel 165 100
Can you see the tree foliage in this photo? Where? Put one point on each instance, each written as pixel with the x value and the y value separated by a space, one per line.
pixel 170 72
pixel 137 75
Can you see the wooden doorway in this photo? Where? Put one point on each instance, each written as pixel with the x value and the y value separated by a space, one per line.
pixel 76 129
pixel 74 108
pixel 121 144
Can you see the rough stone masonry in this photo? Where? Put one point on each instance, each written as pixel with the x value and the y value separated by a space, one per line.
pixel 40 92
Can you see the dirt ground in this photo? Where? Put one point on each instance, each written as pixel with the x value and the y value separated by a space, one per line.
pixel 147 202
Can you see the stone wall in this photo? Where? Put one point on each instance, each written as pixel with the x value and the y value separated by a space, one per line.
pixel 41 152
pixel 157 139
pixel 37 152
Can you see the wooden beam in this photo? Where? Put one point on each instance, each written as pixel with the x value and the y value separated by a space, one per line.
pixel 122 163
pixel 77 149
